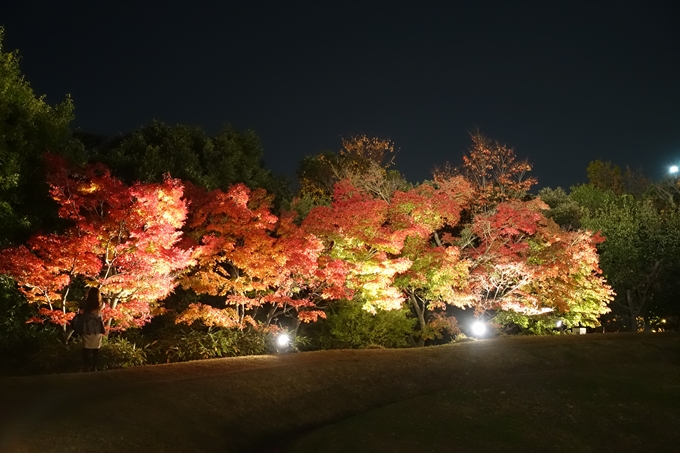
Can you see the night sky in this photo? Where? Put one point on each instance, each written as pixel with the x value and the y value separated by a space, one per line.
pixel 563 83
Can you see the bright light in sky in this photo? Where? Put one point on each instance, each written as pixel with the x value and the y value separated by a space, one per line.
pixel 673 169
pixel 283 340
pixel 478 328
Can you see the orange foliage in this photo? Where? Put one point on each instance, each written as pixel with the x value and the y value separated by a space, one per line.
pixel 493 170
pixel 523 261
pixel 256 260
pixel 122 239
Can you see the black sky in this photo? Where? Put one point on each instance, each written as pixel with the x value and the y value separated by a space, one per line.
pixel 563 83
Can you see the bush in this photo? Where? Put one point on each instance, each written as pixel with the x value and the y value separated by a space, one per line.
pixel 175 344
pixel 54 356
pixel 16 337
pixel 349 326
pixel 119 352
pixel 27 348
pixel 513 322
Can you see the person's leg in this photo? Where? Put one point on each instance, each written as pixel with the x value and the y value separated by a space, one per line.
pixel 86 359
pixel 95 358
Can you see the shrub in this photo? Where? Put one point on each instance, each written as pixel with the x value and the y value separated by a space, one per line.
pixel 181 344
pixel 513 322
pixel 119 352
pixel 349 326
pixel 54 356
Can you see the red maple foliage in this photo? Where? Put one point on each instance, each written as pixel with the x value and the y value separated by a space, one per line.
pixel 122 239
pixel 356 230
pixel 494 172
pixel 263 265
pixel 438 275
pixel 522 261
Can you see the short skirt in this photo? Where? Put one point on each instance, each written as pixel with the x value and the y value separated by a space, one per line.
pixel 92 341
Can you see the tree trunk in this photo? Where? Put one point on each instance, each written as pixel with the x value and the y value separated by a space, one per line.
pixel 114 304
pixel 297 327
pixel 420 312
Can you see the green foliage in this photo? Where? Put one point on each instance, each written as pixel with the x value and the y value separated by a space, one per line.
pixel 14 311
pixel 54 356
pixel 349 326
pixel 20 341
pixel 563 209
pixel 316 177
pixel 304 203
pixel 529 325
pixel 606 176
pixel 181 344
pixel 119 352
pixel 590 198
pixel 50 355
pixel 187 153
pixel 640 256
pixel 28 127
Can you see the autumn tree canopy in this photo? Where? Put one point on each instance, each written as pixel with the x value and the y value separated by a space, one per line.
pixel 364 161
pixel 261 265
pixel 493 170
pixel 121 238
pixel 469 240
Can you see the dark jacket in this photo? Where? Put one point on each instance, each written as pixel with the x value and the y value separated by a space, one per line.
pixel 92 324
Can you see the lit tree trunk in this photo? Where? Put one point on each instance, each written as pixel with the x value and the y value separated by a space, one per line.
pixel 114 304
pixel 420 312
pixel 297 327
pixel 63 307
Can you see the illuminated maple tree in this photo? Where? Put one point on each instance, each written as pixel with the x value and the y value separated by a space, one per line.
pixel 46 267
pixel 263 265
pixel 393 251
pixel 522 261
pixel 355 230
pixel 122 239
pixel 493 170
pixel 438 275
pixel 448 242
pixel 363 161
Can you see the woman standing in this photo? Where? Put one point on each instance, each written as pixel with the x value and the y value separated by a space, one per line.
pixel 93 328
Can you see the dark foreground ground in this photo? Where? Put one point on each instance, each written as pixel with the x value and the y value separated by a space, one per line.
pixel 607 392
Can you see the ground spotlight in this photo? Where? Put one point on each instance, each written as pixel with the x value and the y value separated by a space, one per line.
pixel 478 328
pixel 282 340
pixel 559 323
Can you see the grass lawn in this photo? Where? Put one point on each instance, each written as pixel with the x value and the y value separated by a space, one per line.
pixel 622 410
pixel 606 392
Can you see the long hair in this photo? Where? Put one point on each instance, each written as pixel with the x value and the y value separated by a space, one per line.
pixel 93 301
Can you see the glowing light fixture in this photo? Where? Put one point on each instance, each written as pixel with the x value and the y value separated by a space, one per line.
pixel 558 324
pixel 478 328
pixel 673 169
pixel 283 340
